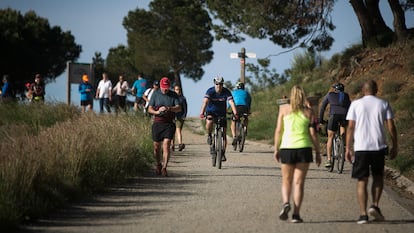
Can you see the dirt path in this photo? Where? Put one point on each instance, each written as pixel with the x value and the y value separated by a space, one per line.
pixel 244 196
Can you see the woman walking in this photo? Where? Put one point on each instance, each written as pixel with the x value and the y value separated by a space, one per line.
pixel 294 136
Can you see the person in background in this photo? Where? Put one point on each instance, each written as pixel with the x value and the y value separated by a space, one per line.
pixel 163 105
pixel 339 103
pixel 38 89
pixel 148 93
pixel 242 100
pixel 120 90
pixel 86 96
pixel 6 89
pixel 368 117
pixel 294 136
pixel 104 93
pixel 180 118
pixel 29 92
pixel 215 105
pixel 139 87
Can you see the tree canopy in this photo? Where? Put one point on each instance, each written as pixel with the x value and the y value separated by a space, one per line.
pixel 29 45
pixel 173 37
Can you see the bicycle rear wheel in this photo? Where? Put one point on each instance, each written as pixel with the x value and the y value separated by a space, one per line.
pixel 242 137
pixel 236 139
pixel 219 147
pixel 341 154
pixel 333 155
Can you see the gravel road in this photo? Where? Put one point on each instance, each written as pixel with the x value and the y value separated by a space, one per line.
pixel 244 196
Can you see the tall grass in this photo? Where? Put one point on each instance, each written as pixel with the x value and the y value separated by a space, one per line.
pixel 44 164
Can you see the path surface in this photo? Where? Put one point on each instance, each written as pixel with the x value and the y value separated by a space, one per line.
pixel 244 196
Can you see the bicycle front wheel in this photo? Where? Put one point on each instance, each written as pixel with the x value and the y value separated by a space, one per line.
pixel 219 147
pixel 341 154
pixel 242 138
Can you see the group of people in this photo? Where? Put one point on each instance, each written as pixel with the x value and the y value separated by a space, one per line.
pixel 363 121
pixel 35 92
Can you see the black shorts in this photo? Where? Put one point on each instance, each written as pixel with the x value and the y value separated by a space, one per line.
pixel 241 109
pixel 366 161
pixel 333 121
pixel 293 156
pixel 86 102
pixel 139 100
pixel 162 130
pixel 224 123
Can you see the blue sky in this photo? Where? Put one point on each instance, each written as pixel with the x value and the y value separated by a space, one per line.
pixel 97 26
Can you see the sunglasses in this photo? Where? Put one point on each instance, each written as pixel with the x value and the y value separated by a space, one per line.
pixel 219 84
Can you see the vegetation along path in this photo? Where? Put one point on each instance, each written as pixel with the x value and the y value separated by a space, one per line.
pixel 244 196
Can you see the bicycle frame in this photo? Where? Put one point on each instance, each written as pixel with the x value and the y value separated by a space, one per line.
pixel 241 129
pixel 338 151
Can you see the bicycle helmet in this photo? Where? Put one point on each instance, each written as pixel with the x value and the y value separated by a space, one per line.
pixel 339 87
pixel 240 85
pixel 218 79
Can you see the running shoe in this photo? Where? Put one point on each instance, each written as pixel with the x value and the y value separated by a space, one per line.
pixel 375 212
pixel 164 172
pixel 223 157
pixel 296 218
pixel 181 147
pixel 285 211
pixel 234 141
pixel 158 169
pixel 363 219
pixel 328 163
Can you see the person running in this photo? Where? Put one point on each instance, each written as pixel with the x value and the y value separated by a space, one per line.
pixel 339 103
pixel 38 89
pixel 163 105
pixel 85 89
pixel 215 105
pixel 180 118
pixel 139 87
pixel 367 119
pixel 242 100
pixel 294 136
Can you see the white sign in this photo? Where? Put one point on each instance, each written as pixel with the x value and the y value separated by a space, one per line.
pixel 234 55
pixel 250 55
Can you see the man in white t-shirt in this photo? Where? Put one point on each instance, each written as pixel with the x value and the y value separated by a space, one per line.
pixel 148 93
pixel 367 119
pixel 104 93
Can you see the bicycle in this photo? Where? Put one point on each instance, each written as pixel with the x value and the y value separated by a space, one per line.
pixel 217 147
pixel 338 151
pixel 241 132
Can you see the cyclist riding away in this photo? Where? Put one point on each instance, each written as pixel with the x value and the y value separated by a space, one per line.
pixel 242 100
pixel 215 105
pixel 339 103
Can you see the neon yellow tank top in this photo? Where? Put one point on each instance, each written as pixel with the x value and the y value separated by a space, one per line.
pixel 295 131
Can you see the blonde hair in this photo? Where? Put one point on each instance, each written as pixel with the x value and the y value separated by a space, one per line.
pixel 297 98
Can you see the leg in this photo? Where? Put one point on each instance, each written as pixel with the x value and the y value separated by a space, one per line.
pixel 165 152
pixel 376 189
pixel 233 128
pixel 209 125
pixel 362 195
pixel 299 184
pixel 287 178
pixel 101 104
pixel 329 144
pixel 157 152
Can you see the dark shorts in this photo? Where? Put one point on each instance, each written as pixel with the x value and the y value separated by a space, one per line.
pixel 366 161
pixel 224 123
pixel 293 156
pixel 333 121
pixel 179 123
pixel 139 100
pixel 162 130
pixel 241 109
pixel 86 102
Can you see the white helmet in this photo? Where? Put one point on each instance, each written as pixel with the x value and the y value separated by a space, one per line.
pixel 218 79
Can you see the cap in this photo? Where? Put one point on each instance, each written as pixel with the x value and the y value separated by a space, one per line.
pixel 156 83
pixel 85 78
pixel 165 83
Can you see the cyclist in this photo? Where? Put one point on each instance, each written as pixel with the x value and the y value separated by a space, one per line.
pixel 339 103
pixel 215 105
pixel 242 100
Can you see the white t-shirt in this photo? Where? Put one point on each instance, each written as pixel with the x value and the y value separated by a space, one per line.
pixel 148 94
pixel 104 87
pixel 369 114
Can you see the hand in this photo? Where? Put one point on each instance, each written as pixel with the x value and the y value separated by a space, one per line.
pixel 276 156
pixel 202 116
pixel 236 117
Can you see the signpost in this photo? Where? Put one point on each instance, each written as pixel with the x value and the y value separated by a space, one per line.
pixel 242 55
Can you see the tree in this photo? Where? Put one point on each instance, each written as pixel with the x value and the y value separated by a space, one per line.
pixel 119 62
pixel 98 67
pixel 173 37
pixel 285 23
pixel 29 45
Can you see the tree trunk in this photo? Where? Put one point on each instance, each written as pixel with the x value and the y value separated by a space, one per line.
pixel 367 28
pixel 376 17
pixel 400 27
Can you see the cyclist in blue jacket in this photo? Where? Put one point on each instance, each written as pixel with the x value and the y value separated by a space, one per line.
pixel 215 105
pixel 242 100
pixel 339 103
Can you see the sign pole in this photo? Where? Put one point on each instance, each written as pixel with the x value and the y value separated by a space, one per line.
pixel 242 64
pixel 68 83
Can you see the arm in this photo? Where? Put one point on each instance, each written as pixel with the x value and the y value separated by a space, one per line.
pixel 323 107
pixel 349 140
pixel 233 106
pixel 278 134
pixel 393 134
pixel 204 106
pixel 315 140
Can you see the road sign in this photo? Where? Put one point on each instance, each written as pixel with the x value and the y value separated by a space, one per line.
pixel 234 55
pixel 250 55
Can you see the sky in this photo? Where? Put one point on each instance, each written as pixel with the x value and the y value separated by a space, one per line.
pixel 97 27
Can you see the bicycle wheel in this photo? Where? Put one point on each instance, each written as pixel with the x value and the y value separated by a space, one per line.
pixel 242 138
pixel 234 143
pixel 333 155
pixel 341 154
pixel 219 147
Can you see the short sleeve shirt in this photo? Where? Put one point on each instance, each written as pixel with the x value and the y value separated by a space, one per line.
pixel 159 99
pixel 218 101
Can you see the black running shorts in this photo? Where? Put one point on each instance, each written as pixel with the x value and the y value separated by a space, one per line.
pixel 162 130
pixel 366 161
pixel 293 156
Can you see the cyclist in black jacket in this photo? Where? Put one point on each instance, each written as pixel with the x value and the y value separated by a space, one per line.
pixel 339 102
